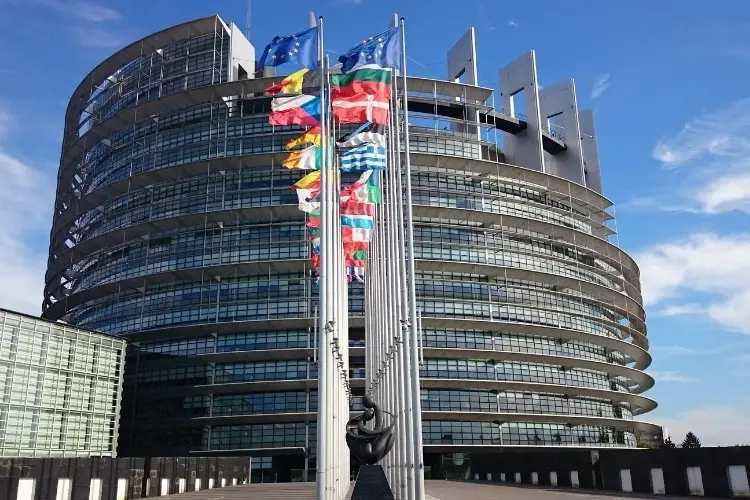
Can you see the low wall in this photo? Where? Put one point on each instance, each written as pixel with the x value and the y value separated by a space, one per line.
pixel 712 472
pixel 118 478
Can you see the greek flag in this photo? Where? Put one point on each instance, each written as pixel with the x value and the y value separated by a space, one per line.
pixel 363 157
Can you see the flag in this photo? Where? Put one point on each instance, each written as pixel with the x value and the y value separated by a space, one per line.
pixel 311 180
pixel 313 222
pixel 367 132
pixel 383 49
pixel 316 260
pixel 303 81
pixel 357 221
pixel 352 207
pixel 307 203
pixel 304 159
pixel 364 189
pixel 300 48
pixel 369 79
pixel 296 110
pixel 355 234
pixel 311 136
pixel 355 251
pixel 356 272
pixel 363 157
pixel 360 108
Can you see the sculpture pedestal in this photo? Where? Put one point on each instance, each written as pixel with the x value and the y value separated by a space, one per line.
pixel 371 484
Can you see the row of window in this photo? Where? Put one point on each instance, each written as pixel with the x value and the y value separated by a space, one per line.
pixel 434 433
pixel 201 202
pixel 209 50
pixel 156 312
pixel 54 429
pixel 226 373
pixel 151 260
pixel 443 338
pixel 155 309
pixel 432 400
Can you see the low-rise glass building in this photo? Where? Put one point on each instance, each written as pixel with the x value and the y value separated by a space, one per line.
pixel 60 389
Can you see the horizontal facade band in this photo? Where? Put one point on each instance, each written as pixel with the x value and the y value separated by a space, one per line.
pixel 208 273
pixel 561 189
pixel 121 58
pixel 556 231
pixel 641 380
pixel 641 357
pixel 498 418
pixel 639 404
pixel 74 152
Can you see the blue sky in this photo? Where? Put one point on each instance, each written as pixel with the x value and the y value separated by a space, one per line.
pixel 668 82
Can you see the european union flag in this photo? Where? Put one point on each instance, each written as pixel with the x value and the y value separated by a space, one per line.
pixel 383 50
pixel 301 48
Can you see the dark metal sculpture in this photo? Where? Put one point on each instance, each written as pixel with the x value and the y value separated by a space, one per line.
pixel 370 445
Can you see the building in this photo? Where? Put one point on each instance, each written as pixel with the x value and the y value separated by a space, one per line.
pixel 175 226
pixel 60 389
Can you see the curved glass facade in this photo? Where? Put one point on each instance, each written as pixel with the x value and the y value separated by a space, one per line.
pixel 177 227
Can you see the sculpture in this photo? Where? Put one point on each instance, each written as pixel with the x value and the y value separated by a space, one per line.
pixel 370 446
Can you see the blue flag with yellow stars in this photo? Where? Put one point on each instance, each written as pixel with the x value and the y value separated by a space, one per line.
pixel 383 50
pixel 300 48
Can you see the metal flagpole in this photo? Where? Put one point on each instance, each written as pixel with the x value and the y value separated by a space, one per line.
pixel 415 385
pixel 395 282
pixel 407 451
pixel 322 444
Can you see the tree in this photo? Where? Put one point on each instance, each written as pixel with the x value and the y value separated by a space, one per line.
pixel 668 443
pixel 691 441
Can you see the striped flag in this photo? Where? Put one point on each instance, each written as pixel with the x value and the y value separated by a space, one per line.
pixel 303 159
pixel 297 110
pixel 367 133
pixel 356 272
pixel 357 221
pixel 355 234
pixel 311 180
pixel 306 201
pixel 365 189
pixel 363 157
pixel 352 207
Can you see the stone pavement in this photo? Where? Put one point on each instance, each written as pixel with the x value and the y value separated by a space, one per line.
pixel 435 490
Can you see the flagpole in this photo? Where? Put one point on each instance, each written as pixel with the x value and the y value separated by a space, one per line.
pixel 415 383
pixel 404 360
pixel 322 444
pixel 395 293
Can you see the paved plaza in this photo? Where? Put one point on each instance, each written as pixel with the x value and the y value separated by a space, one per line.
pixel 436 490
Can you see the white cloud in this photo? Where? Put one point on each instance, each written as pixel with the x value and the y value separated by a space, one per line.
pixel 671 376
pixel 712 264
pixel 94 36
pixel 714 149
pixel 83 10
pixel 25 200
pixel 601 84
pixel 723 425
pixel 513 24
pixel 673 350
pixel 680 310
